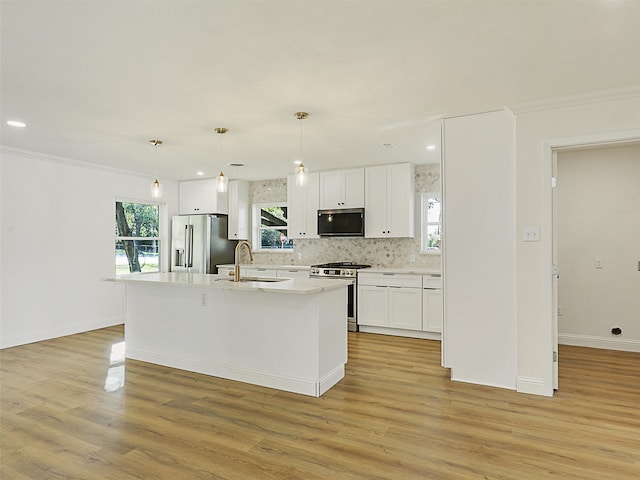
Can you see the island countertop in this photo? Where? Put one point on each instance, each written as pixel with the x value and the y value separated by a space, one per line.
pixel 289 334
pixel 223 282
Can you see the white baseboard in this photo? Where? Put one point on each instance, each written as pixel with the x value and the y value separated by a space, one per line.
pixel 264 379
pixel 330 379
pixel 606 343
pixel 398 332
pixel 533 386
pixel 48 334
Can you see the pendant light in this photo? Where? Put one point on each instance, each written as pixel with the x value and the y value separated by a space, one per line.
pixel 301 171
pixel 222 182
pixel 156 186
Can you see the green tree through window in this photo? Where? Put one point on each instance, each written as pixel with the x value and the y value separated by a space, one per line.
pixel 137 237
pixel 270 224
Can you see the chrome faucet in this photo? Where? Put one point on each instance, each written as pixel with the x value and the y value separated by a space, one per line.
pixel 236 269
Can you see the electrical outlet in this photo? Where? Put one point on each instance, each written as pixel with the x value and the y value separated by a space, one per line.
pixel 531 234
pixel 204 300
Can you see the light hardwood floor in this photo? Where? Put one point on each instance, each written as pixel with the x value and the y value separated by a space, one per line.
pixel 396 415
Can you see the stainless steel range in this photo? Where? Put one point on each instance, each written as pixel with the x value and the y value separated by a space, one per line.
pixel 345 270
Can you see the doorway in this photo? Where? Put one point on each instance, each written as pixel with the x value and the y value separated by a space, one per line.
pixel 596 246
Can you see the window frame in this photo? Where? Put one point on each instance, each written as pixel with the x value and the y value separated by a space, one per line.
pixel 256 228
pixel 425 224
pixel 159 238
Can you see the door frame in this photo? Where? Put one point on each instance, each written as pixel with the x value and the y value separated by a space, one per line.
pixel 549 157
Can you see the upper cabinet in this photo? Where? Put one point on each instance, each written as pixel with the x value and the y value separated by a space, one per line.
pixel 342 189
pixel 202 196
pixel 303 204
pixel 389 201
pixel 238 210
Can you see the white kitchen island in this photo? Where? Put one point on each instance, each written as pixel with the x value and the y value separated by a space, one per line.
pixel 290 335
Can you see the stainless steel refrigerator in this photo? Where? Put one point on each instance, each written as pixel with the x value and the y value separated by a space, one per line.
pixel 199 243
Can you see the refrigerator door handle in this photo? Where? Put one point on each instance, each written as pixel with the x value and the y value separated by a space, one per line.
pixel 190 244
pixel 185 262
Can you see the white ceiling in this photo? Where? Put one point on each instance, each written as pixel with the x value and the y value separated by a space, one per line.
pixel 96 79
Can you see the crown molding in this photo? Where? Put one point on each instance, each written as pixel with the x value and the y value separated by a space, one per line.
pixel 66 161
pixel 575 100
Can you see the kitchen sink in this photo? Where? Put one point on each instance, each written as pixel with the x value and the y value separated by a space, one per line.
pixel 254 279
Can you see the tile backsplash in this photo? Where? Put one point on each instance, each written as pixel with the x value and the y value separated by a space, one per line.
pixel 379 252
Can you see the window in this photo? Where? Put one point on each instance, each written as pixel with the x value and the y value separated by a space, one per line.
pixel 270 227
pixel 137 237
pixel 431 222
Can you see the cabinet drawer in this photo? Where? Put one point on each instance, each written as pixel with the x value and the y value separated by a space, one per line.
pixel 225 271
pixel 390 280
pixel 258 272
pixel 432 281
pixel 293 273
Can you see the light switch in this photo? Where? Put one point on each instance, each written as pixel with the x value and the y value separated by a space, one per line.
pixel 531 234
pixel 598 263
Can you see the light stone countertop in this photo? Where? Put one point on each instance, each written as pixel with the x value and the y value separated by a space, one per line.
pixel 303 286
pixel 405 270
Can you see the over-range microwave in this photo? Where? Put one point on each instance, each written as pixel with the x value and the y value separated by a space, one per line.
pixel 345 222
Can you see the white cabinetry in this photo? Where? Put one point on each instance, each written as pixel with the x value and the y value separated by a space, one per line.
pixel 227 271
pixel 303 203
pixel 238 210
pixel 390 300
pixel 373 305
pixel 258 272
pixel 342 189
pixel 389 201
pixel 249 271
pixel 293 273
pixel 432 303
pixel 281 271
pixel 202 196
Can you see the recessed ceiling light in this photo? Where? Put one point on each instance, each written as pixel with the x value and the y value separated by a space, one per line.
pixel 390 145
pixel 199 173
pixel 431 147
pixel 297 162
pixel 237 164
pixel 16 123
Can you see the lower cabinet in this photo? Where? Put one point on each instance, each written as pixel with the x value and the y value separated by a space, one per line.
pixel 390 300
pixel 432 304
pixel 373 306
pixel 405 308
pixel 432 311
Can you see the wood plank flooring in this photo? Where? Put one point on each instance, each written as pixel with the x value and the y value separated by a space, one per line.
pixel 396 415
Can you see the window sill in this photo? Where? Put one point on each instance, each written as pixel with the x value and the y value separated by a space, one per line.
pixel 274 250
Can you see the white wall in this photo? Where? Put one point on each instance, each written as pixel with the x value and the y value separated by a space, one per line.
pixel 480 341
pixel 536 134
pixel 598 217
pixel 57 244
